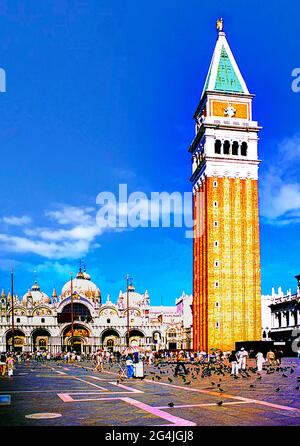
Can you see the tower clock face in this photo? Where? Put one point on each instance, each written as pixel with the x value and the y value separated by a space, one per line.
pixel 230 111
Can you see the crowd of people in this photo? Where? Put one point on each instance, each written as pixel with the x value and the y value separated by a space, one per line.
pixel 235 360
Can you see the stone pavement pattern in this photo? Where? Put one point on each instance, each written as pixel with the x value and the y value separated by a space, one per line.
pixel 83 397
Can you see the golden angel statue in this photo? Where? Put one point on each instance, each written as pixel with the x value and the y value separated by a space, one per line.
pixel 220 24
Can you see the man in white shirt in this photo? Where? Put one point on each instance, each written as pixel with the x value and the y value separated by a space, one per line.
pixel 242 356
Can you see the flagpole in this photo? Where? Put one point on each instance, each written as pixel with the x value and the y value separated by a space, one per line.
pixel 72 313
pixel 12 311
pixel 127 281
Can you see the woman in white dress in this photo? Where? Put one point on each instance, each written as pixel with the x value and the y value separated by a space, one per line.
pixel 259 361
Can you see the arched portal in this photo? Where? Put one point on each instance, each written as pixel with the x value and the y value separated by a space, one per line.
pixel 110 340
pixel 40 339
pixel 78 340
pixel 136 338
pixel 15 341
pixel 172 339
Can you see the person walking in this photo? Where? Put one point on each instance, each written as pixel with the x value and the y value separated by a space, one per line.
pixel 259 361
pixel 38 356
pixel 99 362
pixel 233 362
pixel 180 363
pixel 10 362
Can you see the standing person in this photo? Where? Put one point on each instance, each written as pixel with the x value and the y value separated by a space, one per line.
pixel 129 365
pixel 150 358
pixel 180 363
pixel 99 362
pixel 224 356
pixel 233 361
pixel 27 359
pixel 10 362
pixel 242 357
pixel 135 357
pixel 118 356
pixel 3 363
pixel 259 361
pixel 271 357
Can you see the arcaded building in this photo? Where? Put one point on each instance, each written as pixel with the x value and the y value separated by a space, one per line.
pixel 285 318
pixel 41 322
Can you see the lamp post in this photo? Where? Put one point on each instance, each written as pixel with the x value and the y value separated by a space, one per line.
pixel 12 311
pixel 72 313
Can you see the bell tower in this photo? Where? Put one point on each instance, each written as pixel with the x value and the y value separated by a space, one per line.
pixel 226 250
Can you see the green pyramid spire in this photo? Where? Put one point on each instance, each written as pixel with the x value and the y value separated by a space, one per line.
pixel 227 79
pixel 224 74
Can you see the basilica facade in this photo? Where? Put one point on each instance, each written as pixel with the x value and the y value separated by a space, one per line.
pixel 41 322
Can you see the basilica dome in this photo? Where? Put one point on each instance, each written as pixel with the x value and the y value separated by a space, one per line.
pixel 82 286
pixel 135 299
pixel 37 296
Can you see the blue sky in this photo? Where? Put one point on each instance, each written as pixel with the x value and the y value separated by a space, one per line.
pixel 101 93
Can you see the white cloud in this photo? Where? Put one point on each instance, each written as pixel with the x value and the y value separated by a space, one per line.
pixel 280 186
pixel 58 242
pixel 51 250
pixel 80 232
pixel 289 149
pixel 69 215
pixel 53 269
pixel 73 231
pixel 17 221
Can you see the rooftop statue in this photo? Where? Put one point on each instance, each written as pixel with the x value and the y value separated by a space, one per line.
pixel 220 24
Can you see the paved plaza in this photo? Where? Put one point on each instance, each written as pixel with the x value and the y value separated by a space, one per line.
pixel 75 395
